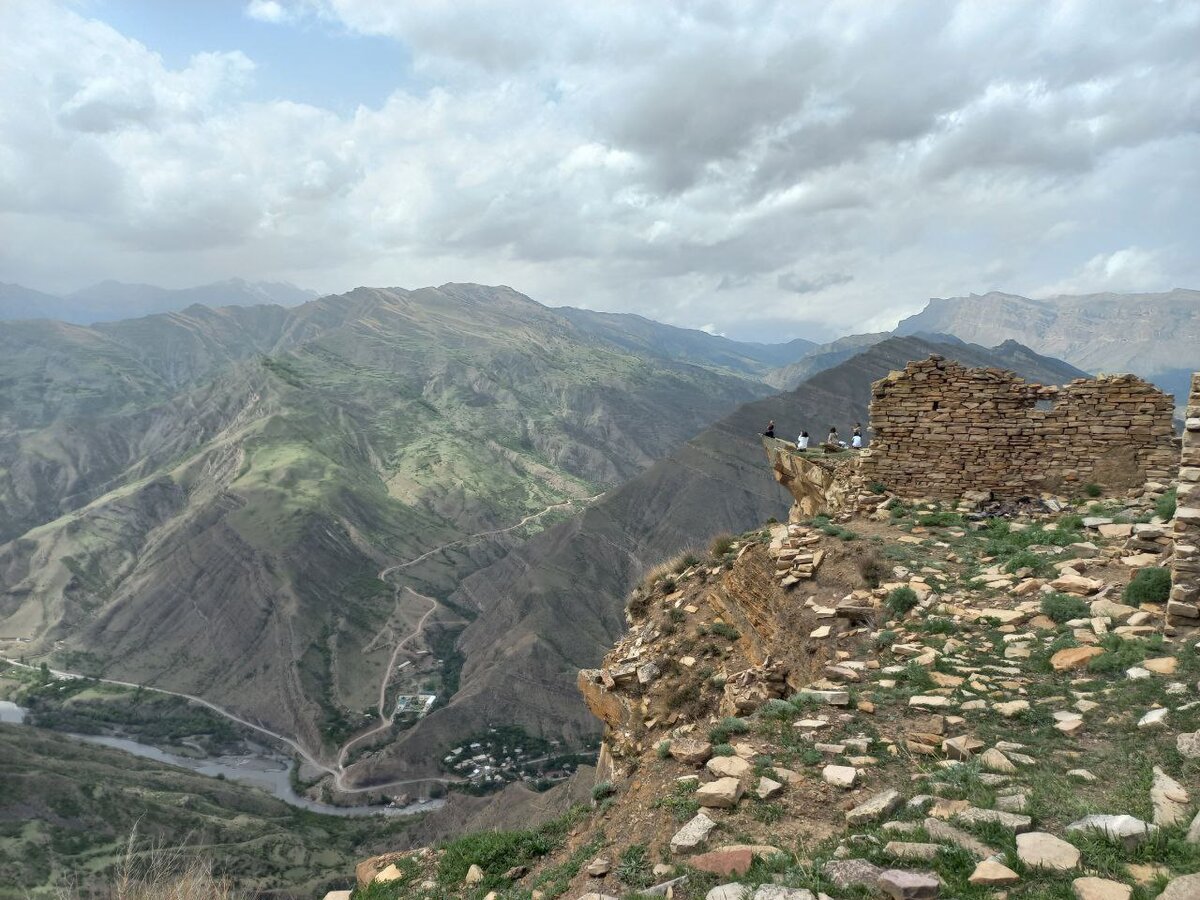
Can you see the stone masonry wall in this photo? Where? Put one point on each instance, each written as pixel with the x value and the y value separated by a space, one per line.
pixel 1184 607
pixel 941 429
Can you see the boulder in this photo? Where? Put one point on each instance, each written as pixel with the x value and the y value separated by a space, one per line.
pixel 690 751
pixel 728 766
pixel 724 862
pixel 1040 850
pixel 723 793
pixel 475 874
pixel 692 835
pixel 1185 887
pixel 840 776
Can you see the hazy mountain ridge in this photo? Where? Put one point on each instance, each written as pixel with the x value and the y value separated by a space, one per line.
pixel 1156 336
pixel 110 301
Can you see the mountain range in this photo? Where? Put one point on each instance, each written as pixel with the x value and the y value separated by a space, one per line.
pixel 1156 336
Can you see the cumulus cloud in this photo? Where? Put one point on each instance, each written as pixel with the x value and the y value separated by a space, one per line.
pixel 733 166
pixel 266 11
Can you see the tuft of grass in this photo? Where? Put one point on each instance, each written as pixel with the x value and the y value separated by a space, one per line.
pixel 939 519
pixel 633 867
pixel 725 630
pixel 1027 559
pixel 900 600
pixel 721 545
pixel 663 749
pixel 1149 586
pixel 722 750
pixel 602 789
pixel 1092 489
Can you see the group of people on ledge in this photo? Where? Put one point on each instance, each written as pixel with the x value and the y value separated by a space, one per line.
pixel 832 440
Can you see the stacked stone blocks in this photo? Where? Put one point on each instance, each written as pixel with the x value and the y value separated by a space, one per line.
pixel 1184 605
pixel 941 429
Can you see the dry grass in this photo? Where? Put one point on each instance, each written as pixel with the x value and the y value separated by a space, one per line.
pixel 159 873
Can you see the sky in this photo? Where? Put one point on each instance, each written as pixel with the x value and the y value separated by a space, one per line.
pixel 761 169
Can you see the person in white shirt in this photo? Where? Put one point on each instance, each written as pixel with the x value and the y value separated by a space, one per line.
pixel 802 441
pixel 856 438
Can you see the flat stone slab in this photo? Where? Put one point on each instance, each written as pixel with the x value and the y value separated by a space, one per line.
pixel 1014 822
pixel 902 885
pixel 840 776
pixel 875 808
pixel 946 833
pixel 1128 831
pixel 911 850
pixel 1090 888
pixel 732 891
pixel 1040 850
pixel 778 892
pixel 723 862
pixel 1172 805
pixel 991 873
pixel 832 698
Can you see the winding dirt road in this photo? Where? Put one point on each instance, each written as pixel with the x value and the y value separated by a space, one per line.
pixel 337 768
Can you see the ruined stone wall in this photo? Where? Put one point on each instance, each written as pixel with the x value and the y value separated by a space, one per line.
pixel 1184 608
pixel 941 429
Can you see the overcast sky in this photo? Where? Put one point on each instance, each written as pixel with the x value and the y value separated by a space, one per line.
pixel 762 169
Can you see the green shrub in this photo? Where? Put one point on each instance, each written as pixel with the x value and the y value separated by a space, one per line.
pixel 663 749
pixel 1164 506
pixel 1149 586
pixel 1064 607
pixel 722 750
pixel 685 562
pixel 900 600
pixel 633 868
pixel 1027 559
pixel 876 487
pixel 939 519
pixel 603 789
pixel 1071 522
pixel 728 726
pixel 1119 655
pixel 885 638
pixel 498 851
pixel 938 625
pixel 1092 489
pixel 725 631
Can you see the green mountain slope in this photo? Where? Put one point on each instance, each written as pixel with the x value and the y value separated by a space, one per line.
pixel 213 513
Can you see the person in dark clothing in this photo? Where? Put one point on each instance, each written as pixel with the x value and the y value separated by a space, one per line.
pixel 770 432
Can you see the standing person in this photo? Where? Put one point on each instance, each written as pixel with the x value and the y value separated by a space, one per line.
pixel 770 432
pixel 802 441
pixel 856 437
pixel 833 437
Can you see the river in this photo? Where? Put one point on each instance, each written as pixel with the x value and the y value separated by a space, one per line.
pixel 271 773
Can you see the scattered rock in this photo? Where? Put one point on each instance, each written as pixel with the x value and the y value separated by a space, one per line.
pixel 1074 658
pixel 992 873
pixel 732 891
pixel 1127 831
pixel 1185 887
pixel 1170 800
pixel 941 831
pixel 848 873
pixel 1014 822
pixel 1091 888
pixel 1188 744
pixel 994 761
pixel 874 809
pixel 723 862
pixel 840 776
pixel 475 874
pixel 767 788
pixel 723 793
pixel 1155 718
pixel 728 766
pixel 693 835
pixel 901 885
pixel 1040 850
pixel 690 751
pixel 911 851
pixel 597 868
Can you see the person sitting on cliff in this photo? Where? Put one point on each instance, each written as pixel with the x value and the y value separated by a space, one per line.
pixel 832 440
pixel 770 432
pixel 802 441
pixel 856 437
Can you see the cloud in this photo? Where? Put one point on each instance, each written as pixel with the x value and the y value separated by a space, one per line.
pixel 266 11
pixel 743 165
pixel 797 284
